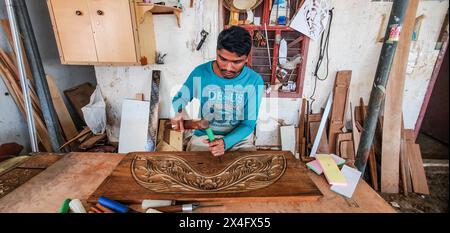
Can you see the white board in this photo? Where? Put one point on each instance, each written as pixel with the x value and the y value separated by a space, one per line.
pixel 288 138
pixel 134 125
pixel 352 176
pixel 322 126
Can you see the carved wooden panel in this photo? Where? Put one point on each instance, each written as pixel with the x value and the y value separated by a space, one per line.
pixel 173 174
pixel 199 176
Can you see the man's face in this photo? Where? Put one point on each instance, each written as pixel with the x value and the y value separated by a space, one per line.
pixel 230 64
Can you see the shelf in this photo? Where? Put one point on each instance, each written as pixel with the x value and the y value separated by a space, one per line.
pixel 143 8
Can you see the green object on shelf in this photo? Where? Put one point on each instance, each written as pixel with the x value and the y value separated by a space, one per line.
pixel 65 206
pixel 210 134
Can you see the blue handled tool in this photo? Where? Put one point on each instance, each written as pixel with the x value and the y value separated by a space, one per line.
pixel 113 205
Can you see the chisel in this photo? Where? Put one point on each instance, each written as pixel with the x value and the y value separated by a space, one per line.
pixel 182 208
pixel 211 138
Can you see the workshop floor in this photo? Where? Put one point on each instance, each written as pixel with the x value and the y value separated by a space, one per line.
pixel 435 157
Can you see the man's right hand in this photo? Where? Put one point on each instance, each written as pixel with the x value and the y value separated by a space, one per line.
pixel 177 122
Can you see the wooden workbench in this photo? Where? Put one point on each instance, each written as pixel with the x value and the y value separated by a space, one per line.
pixel 78 175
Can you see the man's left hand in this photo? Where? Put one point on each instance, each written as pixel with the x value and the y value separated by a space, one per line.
pixel 217 147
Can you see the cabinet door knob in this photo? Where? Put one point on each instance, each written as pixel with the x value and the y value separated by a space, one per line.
pixel 78 13
pixel 99 12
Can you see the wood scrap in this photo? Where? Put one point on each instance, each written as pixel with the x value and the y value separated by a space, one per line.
pixel 83 132
pixel 17 95
pixel 323 144
pixel 11 148
pixel 79 96
pixel 390 160
pixel 340 138
pixel 337 114
pixel 372 159
pixel 302 133
pixel 64 117
pixel 90 142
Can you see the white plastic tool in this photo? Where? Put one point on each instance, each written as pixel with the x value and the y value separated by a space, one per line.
pixel 156 203
pixel 76 206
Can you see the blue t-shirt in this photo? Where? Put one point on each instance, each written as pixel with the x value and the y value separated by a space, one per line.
pixel 230 105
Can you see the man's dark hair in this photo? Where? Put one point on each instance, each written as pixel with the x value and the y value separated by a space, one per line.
pixel 236 40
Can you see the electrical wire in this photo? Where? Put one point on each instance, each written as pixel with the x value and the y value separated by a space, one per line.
pixel 322 52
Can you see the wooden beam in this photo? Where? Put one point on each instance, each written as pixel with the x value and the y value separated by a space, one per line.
pixel 337 115
pixel 393 106
pixel 64 117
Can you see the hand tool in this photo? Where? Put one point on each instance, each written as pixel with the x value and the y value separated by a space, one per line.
pixel 211 138
pixel 152 211
pixel 103 209
pixel 64 206
pixel 192 124
pixel 114 205
pixel 76 206
pixel 183 208
pixel 204 34
pixel 196 124
pixel 156 203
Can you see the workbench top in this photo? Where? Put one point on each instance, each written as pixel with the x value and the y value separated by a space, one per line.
pixel 78 175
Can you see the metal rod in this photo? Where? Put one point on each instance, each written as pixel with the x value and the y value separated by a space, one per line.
pixel 39 77
pixel 378 92
pixel 23 78
pixel 268 49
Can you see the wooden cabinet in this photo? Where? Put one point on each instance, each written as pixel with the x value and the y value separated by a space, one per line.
pixel 115 32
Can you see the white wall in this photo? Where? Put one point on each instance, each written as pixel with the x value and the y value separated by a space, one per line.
pixel 353 47
pixel 13 127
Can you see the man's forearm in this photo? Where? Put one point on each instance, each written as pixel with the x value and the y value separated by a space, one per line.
pixel 239 133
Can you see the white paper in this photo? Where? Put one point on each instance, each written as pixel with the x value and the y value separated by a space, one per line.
pixel 311 19
pixel 352 176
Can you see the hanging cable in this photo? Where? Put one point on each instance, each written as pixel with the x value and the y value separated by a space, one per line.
pixel 323 52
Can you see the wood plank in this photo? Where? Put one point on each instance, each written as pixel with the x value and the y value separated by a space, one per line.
pixel 340 138
pixel 404 170
pixel 393 105
pixel 79 175
pixel 176 140
pixel 154 108
pixel 82 133
pixel 418 177
pixel 79 96
pixel 147 40
pixel 372 159
pixel 74 176
pixel 40 160
pixel 16 93
pixel 133 126
pixel 64 117
pixel 293 185
pixel 301 130
pixel 355 132
pixel 346 150
pixel 337 115
pixel 90 142
pixel 323 144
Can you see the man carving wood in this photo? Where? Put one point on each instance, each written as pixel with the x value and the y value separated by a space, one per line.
pixel 229 93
